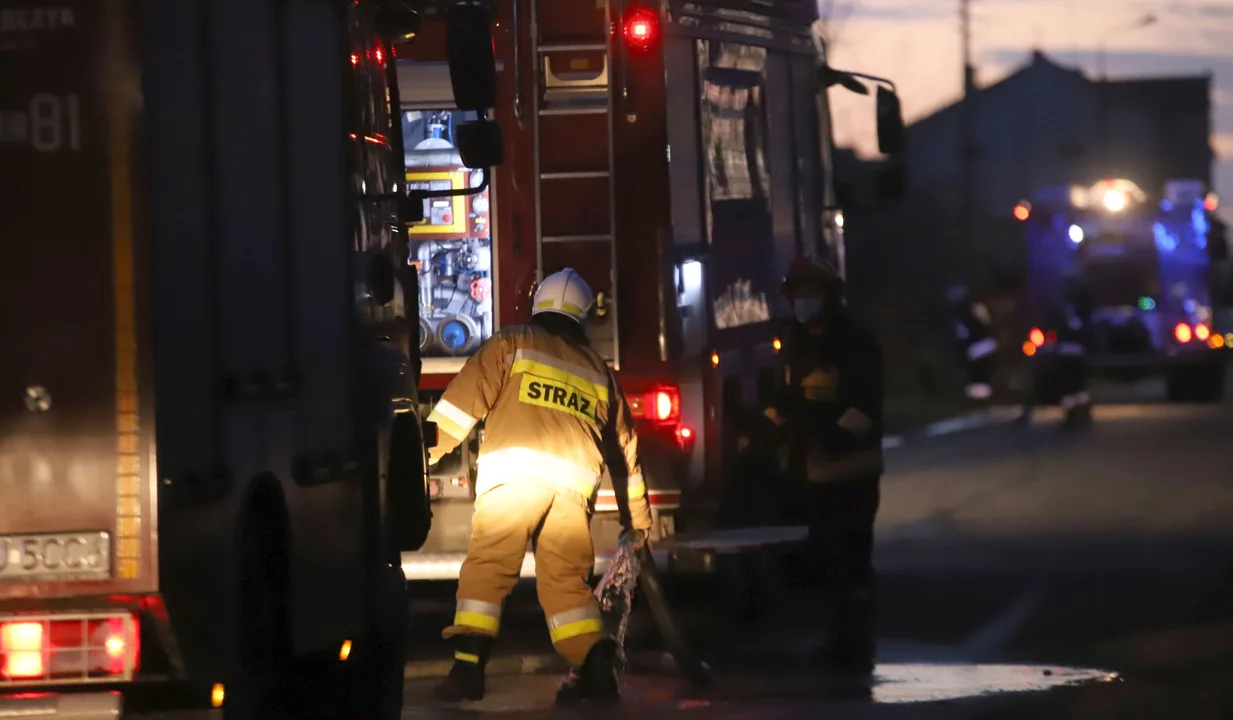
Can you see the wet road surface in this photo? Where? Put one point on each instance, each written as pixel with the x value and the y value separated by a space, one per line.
pixel 1109 549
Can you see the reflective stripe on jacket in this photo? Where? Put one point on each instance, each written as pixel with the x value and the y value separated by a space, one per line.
pixel 551 407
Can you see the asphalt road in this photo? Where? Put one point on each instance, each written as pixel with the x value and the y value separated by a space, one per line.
pixel 1011 558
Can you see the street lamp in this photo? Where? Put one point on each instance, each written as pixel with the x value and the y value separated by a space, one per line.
pixel 1142 22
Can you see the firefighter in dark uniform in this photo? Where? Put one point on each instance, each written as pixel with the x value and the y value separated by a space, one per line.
pixel 973 327
pixel 828 412
pixel 1072 346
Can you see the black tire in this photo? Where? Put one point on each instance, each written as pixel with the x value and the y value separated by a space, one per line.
pixel 1213 385
pixel 372 679
pixel 1197 383
pixel 409 506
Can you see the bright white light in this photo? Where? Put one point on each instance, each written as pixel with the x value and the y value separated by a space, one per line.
pixel 1076 234
pixel 839 219
pixel 692 270
pixel 1115 201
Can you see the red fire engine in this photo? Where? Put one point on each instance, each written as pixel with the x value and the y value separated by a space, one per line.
pixel 676 154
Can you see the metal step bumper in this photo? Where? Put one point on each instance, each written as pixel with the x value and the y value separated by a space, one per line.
pixel 77 706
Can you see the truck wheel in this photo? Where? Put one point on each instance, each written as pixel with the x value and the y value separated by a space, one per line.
pixel 1209 383
pixel 1201 383
pixel 262 686
pixel 372 678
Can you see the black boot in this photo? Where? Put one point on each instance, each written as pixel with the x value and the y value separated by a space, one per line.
pixel 466 678
pixel 596 681
pixel 850 649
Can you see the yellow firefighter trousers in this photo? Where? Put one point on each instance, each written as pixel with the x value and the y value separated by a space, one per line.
pixel 506 518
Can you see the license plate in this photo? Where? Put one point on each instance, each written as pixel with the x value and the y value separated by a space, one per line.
pixel 56 556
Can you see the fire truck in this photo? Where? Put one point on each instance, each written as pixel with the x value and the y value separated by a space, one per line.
pixel 210 456
pixel 1146 264
pixel 678 155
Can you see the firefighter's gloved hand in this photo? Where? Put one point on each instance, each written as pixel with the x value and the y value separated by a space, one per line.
pixel 636 539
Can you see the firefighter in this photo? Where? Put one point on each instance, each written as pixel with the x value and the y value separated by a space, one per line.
pixel 974 331
pixel 556 417
pixel 1072 343
pixel 829 411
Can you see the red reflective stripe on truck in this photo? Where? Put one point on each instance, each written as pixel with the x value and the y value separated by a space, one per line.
pixel 662 499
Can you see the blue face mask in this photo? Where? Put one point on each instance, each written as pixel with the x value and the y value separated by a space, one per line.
pixel 807 309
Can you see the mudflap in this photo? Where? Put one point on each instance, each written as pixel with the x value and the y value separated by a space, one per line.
pixel 688 663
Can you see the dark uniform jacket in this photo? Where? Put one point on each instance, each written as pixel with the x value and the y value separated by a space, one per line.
pixel 828 402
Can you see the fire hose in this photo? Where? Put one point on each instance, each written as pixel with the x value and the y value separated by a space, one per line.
pixel 636 568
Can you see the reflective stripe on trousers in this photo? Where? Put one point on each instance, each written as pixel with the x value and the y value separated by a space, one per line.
pixel 572 623
pixel 982 348
pixel 478 614
pixel 979 391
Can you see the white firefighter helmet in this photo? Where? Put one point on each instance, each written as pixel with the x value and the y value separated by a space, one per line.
pixel 564 292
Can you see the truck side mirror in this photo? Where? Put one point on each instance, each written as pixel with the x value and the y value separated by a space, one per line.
pixel 479 143
pixel 892 134
pixel 473 66
pixel 398 20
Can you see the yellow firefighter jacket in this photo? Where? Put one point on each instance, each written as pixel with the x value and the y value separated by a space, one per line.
pixel 554 413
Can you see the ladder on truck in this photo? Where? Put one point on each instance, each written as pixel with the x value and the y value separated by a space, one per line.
pixel 575 196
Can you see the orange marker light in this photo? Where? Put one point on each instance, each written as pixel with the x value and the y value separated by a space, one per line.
pixel 776 344
pixel 715 359
pixel 1029 349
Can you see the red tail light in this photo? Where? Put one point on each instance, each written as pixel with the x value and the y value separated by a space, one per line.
pixel 1182 333
pixel 667 407
pixel 80 647
pixel 1201 333
pixel 1037 337
pixel 641 28
pixel 661 405
pixel 1051 337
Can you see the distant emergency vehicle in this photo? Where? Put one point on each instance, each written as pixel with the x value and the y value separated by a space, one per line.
pixel 1145 264
pixel 679 156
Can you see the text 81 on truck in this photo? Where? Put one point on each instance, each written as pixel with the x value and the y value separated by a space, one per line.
pixel 210 455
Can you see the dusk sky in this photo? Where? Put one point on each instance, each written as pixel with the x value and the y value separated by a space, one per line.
pixel 916 43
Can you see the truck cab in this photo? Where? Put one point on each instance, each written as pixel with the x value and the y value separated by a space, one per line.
pixel 1145 265
pixel 210 450
pixel 679 156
